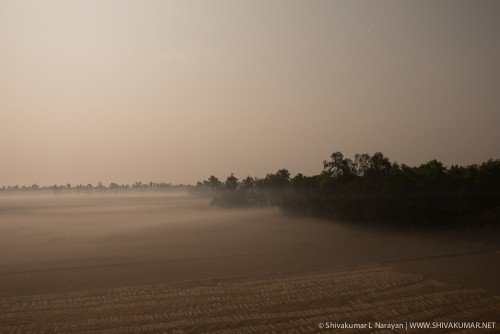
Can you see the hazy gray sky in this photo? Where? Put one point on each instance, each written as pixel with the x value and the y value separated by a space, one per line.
pixel 177 90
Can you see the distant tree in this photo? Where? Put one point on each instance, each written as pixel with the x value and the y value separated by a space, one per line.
pixel 214 183
pixel 248 183
pixel 362 163
pixel 338 166
pixel 282 177
pixel 279 179
pixel 231 182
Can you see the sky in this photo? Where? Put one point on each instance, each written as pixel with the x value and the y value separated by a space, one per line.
pixel 174 91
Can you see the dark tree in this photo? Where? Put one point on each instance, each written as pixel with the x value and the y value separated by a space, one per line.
pixel 231 182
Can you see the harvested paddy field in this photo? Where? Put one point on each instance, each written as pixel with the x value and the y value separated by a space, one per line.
pixel 263 304
pixel 168 264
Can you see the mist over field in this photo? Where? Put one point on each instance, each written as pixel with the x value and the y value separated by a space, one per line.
pixel 155 262
pixel 141 239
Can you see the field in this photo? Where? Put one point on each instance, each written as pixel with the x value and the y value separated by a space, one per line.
pixel 169 264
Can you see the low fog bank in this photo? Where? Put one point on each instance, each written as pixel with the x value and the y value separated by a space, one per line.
pixel 99 189
pixel 78 242
pixel 45 196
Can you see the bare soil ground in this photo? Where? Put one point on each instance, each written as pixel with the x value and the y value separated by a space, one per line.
pixel 265 304
pixel 167 263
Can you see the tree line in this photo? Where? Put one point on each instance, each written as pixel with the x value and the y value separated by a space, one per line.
pixel 98 188
pixel 371 189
